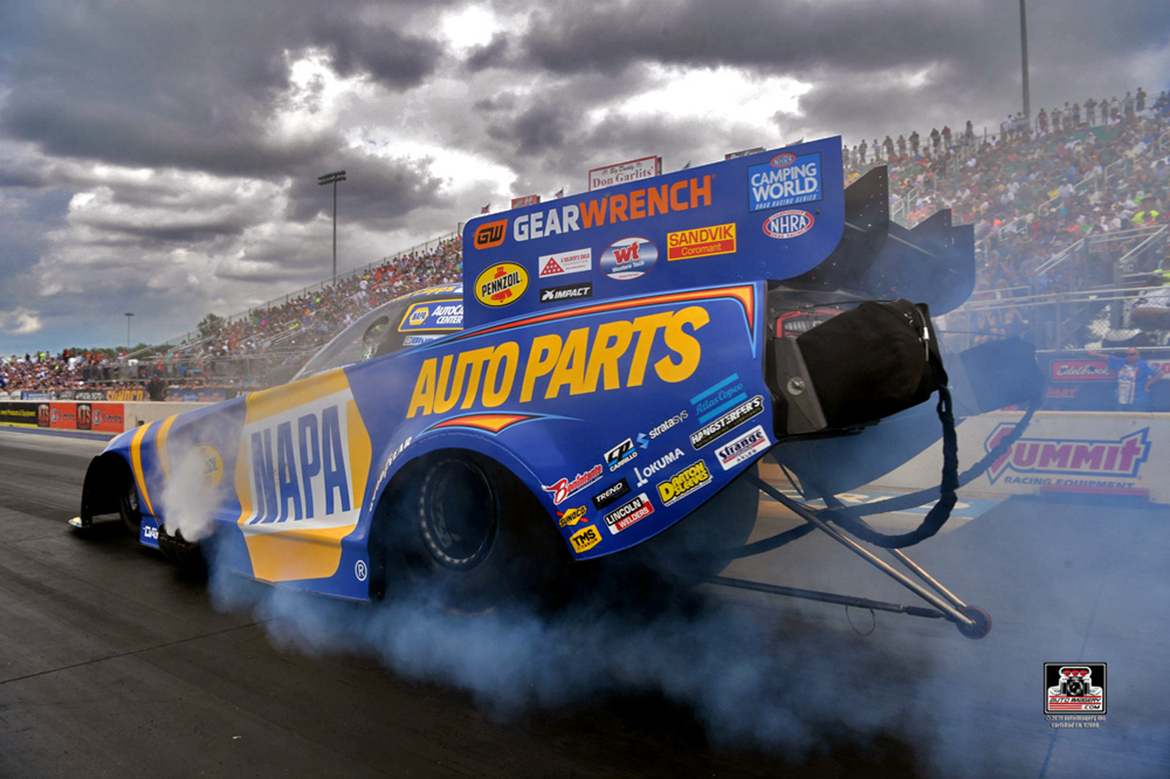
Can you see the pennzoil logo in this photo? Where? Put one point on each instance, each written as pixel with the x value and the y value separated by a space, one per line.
pixel 490 235
pixel 501 285
pixel 693 477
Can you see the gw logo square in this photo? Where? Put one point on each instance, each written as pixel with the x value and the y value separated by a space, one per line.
pixel 1074 688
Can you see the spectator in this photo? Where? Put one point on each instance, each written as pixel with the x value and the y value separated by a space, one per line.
pixel 1135 376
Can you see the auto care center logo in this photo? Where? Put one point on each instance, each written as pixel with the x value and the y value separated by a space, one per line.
pixel 1093 462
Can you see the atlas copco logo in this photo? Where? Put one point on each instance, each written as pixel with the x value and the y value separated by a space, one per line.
pixel 788 224
pixel 1121 457
pixel 490 235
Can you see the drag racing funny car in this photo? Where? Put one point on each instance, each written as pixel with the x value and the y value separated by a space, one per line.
pixel 604 382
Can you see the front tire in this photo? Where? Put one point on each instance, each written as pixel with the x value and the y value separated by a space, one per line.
pixel 128 506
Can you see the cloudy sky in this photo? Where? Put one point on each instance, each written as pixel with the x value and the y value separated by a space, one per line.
pixel 161 157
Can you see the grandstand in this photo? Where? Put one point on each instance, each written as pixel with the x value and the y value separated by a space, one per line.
pixel 1071 215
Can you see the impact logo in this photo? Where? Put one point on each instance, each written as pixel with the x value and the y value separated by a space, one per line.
pixel 501 285
pixel 490 235
pixel 785 180
pixel 1118 458
pixel 629 258
pixel 1074 688
pixel 788 224
pixel 568 292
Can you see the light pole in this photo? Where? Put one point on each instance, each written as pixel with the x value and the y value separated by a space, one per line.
pixel 333 178
pixel 128 315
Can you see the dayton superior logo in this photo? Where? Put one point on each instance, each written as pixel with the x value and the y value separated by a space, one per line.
pixel 1080 457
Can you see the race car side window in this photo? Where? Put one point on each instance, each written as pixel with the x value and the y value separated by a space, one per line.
pixel 393 326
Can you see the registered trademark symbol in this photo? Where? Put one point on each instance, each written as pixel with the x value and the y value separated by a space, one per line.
pixel 360 570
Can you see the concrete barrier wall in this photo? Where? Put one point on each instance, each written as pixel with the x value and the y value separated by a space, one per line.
pixel 1073 451
pixel 109 418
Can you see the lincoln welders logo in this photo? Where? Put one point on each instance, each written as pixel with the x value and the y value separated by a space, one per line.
pixel 1087 458
pixel 1074 688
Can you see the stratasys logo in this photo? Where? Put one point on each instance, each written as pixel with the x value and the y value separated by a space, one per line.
pixel 1108 458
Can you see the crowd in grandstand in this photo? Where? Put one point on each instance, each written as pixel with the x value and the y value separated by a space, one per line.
pixel 1031 190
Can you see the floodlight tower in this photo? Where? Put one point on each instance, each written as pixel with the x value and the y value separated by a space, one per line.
pixel 333 178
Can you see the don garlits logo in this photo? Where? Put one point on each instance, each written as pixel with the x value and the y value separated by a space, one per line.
pixel 501 284
pixel 1120 457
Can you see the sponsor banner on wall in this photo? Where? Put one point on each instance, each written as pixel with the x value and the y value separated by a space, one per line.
pixel 625 172
pixel 1096 452
pixel 17 413
pixel 65 415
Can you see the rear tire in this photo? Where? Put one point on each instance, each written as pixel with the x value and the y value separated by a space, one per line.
pixel 471 535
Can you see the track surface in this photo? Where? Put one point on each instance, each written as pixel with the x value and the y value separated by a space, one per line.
pixel 113 664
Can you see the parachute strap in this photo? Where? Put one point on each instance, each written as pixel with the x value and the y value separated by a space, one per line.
pixel 849 517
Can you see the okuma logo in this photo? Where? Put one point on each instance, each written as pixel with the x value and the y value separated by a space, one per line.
pixel 1121 457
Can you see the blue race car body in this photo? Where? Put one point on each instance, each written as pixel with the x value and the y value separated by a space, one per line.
pixel 614 358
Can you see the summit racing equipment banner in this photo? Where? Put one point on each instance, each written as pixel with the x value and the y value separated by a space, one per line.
pixel 1104 452
pixel 769 215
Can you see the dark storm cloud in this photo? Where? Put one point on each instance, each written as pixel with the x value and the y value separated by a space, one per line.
pixel 377 195
pixel 184 85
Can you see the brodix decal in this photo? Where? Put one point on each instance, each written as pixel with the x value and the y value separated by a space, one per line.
pixel 584 360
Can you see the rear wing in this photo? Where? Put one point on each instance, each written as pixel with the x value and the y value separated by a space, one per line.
pixel 777 216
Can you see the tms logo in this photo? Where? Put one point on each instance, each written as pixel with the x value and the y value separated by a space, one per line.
pixel 490 235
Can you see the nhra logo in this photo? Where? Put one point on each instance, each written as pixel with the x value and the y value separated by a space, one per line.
pixel 782 160
pixel 683 483
pixel 628 513
pixel 490 235
pixel 501 285
pixel 788 224
pixel 1074 688
pixel 1121 457
pixel 629 258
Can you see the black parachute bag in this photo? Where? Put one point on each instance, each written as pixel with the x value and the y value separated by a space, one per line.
pixel 872 361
